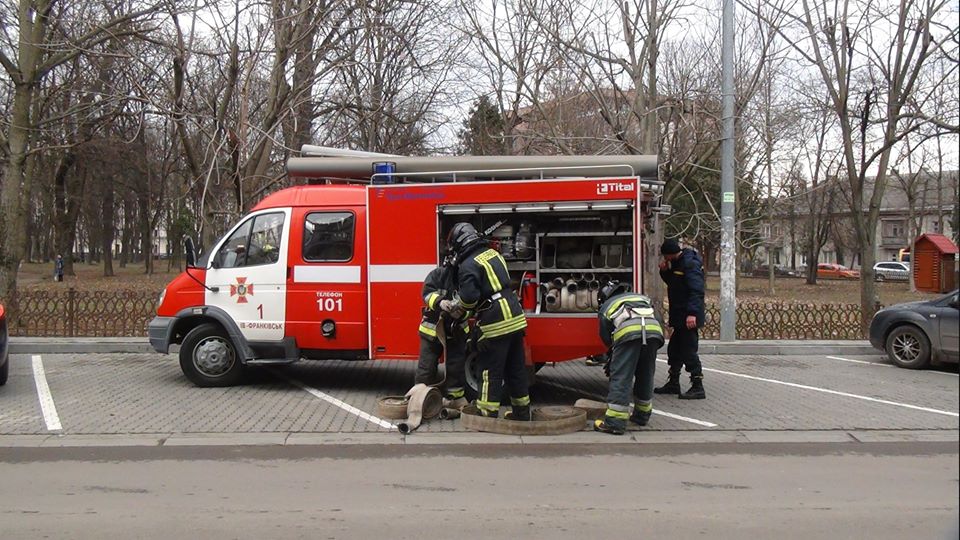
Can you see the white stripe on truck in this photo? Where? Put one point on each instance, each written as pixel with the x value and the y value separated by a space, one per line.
pixel 399 273
pixel 326 274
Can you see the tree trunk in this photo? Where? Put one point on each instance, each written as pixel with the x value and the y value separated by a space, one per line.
pixel 108 229
pixel 16 184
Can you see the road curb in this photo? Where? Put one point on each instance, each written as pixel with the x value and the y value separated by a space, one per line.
pixel 108 345
pixel 582 438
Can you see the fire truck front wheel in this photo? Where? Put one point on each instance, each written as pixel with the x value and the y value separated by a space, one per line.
pixel 208 357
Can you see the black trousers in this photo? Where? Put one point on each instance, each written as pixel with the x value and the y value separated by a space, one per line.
pixel 429 361
pixel 682 351
pixel 502 365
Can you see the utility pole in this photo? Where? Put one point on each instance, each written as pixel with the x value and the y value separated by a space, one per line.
pixel 728 201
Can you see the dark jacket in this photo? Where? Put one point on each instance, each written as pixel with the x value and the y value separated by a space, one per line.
pixel 439 285
pixel 629 317
pixel 685 288
pixel 484 285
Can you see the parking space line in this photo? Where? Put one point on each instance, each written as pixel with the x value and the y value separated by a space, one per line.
pixel 602 399
pixel 859 361
pixel 49 409
pixel 880 364
pixel 336 402
pixel 834 392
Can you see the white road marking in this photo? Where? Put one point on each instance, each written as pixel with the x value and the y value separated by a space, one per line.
pixel 859 361
pixel 684 418
pixel 595 397
pixel 834 392
pixel 336 402
pixel 50 417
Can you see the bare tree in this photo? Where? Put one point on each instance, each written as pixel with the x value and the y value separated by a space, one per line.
pixel 46 36
pixel 869 55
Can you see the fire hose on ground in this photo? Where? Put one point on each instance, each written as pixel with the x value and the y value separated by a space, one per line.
pixel 424 402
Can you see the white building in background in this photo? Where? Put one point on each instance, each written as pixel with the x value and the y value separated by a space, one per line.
pixel 934 209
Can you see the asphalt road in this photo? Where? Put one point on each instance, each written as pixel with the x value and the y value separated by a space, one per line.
pixel 873 490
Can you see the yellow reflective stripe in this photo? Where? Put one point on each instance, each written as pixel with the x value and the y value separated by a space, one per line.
pixel 632 298
pixel 484 389
pixel 678 272
pixel 432 299
pixel 507 322
pixel 466 304
pixel 515 323
pixel 510 325
pixel 635 328
pixel 504 308
pixel 483 260
pixel 520 402
pixel 455 392
pixel 502 332
pixel 644 407
pixel 428 330
pixel 617 414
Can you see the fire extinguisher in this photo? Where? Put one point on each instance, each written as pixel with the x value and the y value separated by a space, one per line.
pixel 528 291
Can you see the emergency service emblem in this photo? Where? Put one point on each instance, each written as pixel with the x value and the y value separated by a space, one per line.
pixel 241 290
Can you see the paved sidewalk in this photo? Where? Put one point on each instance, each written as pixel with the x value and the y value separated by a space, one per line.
pixel 104 345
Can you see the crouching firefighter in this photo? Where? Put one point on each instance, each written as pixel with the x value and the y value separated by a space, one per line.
pixel 438 288
pixel 484 286
pixel 629 327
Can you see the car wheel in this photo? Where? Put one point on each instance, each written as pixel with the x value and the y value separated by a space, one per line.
pixel 4 372
pixel 908 347
pixel 208 357
pixel 880 277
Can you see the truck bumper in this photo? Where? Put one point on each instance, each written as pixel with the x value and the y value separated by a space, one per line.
pixel 159 330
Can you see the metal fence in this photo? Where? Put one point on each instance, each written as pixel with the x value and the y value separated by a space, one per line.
pixel 126 313
pixel 74 313
pixel 789 320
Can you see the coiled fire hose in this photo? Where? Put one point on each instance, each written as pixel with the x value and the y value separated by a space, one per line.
pixel 553 420
pixel 421 403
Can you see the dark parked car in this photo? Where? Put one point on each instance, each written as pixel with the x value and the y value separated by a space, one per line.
pixel 916 333
pixel 4 356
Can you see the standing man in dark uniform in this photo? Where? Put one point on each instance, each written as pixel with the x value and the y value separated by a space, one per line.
pixel 629 327
pixel 484 286
pixel 682 270
pixel 440 285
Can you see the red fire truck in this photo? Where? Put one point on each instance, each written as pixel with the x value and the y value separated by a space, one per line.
pixel 334 270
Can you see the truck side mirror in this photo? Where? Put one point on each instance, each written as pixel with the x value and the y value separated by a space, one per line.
pixel 190 252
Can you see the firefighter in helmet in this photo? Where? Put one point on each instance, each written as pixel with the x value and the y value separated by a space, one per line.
pixel 440 285
pixel 484 286
pixel 629 327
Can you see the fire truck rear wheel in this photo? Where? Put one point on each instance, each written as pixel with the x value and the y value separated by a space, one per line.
pixel 208 357
pixel 472 369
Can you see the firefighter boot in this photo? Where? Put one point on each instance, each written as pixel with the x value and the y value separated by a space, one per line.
pixel 671 387
pixel 613 426
pixel 455 403
pixel 641 414
pixel 696 389
pixel 519 413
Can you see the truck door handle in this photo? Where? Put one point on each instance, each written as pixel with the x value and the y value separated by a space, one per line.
pixel 288 272
pixel 933 315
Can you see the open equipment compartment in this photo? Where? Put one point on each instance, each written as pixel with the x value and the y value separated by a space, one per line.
pixel 559 253
pixel 408 226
